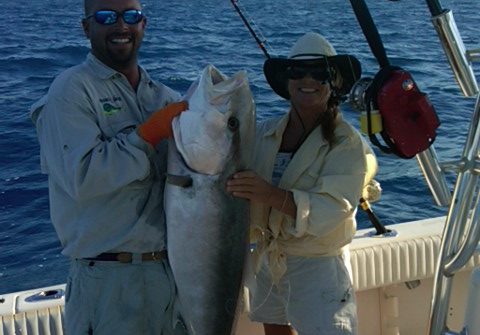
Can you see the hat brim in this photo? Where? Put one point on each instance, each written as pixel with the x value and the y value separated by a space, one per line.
pixel 348 66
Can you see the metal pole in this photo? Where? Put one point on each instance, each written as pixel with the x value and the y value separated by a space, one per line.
pixel 455 51
pixel 455 227
pixel 428 162
pixel 470 242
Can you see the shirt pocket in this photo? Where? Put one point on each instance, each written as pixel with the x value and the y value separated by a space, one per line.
pixel 311 175
pixel 116 117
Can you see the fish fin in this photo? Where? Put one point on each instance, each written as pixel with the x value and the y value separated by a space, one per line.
pixel 180 328
pixel 182 181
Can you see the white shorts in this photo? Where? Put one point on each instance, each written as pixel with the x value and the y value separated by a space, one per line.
pixel 315 297
pixel 105 298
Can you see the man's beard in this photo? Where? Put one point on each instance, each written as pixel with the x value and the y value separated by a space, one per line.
pixel 122 60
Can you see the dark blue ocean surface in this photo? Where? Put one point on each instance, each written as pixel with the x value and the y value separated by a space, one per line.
pixel 40 38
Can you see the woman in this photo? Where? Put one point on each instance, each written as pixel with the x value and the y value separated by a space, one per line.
pixel 310 169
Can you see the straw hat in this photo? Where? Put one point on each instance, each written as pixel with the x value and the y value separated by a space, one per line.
pixel 312 49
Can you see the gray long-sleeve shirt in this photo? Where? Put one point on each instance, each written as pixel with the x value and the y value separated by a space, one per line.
pixel 105 183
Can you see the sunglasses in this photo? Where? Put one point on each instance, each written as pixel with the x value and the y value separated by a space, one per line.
pixel 109 17
pixel 321 74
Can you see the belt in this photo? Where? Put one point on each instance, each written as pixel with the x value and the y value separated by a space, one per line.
pixel 128 257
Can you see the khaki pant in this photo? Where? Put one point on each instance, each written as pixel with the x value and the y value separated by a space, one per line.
pixel 108 298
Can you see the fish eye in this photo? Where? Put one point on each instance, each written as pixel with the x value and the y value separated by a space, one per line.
pixel 233 123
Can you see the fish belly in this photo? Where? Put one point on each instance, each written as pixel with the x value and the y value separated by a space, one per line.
pixel 207 234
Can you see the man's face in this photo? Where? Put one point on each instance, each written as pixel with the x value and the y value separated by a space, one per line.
pixel 117 44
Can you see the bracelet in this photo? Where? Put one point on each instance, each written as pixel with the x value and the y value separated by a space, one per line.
pixel 284 200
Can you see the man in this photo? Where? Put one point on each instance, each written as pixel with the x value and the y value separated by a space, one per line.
pixel 101 129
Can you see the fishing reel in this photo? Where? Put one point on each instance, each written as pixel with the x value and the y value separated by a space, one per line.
pixel 356 97
pixel 392 106
pixel 358 101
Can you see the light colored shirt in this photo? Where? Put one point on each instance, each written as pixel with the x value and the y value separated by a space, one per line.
pixel 326 182
pixel 281 161
pixel 105 183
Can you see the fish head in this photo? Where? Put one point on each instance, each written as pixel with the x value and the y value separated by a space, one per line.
pixel 218 128
pixel 241 120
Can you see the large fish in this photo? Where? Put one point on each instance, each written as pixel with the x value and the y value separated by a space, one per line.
pixel 207 228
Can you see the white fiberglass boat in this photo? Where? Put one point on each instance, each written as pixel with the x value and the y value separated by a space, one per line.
pixel 422 278
pixel 393 278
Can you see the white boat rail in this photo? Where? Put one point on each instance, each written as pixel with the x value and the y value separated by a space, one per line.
pixel 462 227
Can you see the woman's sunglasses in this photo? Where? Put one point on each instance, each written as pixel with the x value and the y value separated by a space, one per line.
pixel 321 74
pixel 109 17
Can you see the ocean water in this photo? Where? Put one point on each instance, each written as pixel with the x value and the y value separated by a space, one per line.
pixel 43 37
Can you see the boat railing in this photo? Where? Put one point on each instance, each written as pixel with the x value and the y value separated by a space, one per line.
pixel 461 233
pixel 457 55
pixel 434 175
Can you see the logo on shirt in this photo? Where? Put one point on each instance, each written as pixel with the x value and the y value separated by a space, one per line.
pixel 109 105
pixel 109 109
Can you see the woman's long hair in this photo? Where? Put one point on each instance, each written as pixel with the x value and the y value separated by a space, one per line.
pixel 328 120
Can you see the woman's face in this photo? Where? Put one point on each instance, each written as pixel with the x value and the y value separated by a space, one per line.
pixel 309 92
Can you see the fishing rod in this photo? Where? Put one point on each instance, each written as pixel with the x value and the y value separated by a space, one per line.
pixel 250 29
pixel 435 7
pixel 379 227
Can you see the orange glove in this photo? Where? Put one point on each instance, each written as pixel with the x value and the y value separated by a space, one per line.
pixel 159 125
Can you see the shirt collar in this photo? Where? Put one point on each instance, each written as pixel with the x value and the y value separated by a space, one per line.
pixel 281 123
pixel 99 69
pixel 105 72
pixel 279 126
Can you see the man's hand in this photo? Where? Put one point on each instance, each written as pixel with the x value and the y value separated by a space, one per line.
pixel 159 125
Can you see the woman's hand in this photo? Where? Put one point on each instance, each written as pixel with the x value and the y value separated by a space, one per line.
pixel 249 185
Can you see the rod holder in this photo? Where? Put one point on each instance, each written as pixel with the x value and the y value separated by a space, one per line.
pixel 454 48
